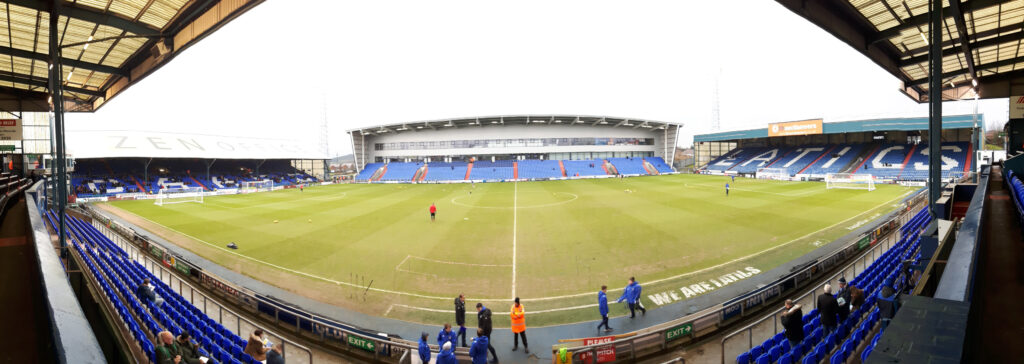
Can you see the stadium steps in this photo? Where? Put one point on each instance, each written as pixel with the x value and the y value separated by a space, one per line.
pixel 379 173
pixel 752 155
pixel 967 166
pixel 420 174
pixel 779 158
pixel 906 160
pixel 143 189
pixel 609 168
pixel 562 167
pixel 865 154
pixel 515 170
pixel 827 152
pixel 650 168
pixel 198 183
pixel 469 168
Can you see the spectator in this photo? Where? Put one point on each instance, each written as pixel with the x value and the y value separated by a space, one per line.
pixel 446 356
pixel 631 294
pixel 827 307
pixel 856 297
pixel 460 317
pixel 424 349
pixel 146 292
pixel 255 347
pixel 167 352
pixel 602 308
pixel 843 299
pixel 792 321
pixel 888 303
pixel 483 320
pixel 478 352
pixel 518 317
pixel 274 355
pixel 189 351
pixel 446 335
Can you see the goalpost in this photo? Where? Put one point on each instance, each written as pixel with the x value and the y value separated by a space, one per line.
pixel 179 195
pixel 781 174
pixel 256 186
pixel 856 181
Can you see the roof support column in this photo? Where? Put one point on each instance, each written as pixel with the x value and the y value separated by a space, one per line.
pixel 935 106
pixel 60 191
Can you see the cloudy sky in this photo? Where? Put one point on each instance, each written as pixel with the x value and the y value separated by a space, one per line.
pixel 282 68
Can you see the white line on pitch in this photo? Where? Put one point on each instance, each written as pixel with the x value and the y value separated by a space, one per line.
pixel 453 263
pixel 532 312
pixel 515 222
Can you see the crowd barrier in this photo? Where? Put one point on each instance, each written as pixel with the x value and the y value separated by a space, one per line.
pixel 710 321
pixel 292 319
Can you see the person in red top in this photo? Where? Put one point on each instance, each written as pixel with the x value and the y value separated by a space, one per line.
pixel 433 212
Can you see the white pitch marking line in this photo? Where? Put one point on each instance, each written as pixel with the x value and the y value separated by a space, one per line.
pixel 389 310
pixel 533 312
pixel 453 263
pixel 515 222
pixel 506 299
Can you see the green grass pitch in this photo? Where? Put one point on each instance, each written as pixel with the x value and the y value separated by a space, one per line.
pixel 556 241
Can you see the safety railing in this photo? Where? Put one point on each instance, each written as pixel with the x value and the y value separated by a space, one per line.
pixel 710 320
pixel 308 325
pixel 292 351
pixel 807 299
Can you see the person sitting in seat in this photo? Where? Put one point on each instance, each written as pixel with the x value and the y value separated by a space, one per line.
pixel 146 292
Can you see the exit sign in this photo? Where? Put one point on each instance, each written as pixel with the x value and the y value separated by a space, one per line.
pixel 7 148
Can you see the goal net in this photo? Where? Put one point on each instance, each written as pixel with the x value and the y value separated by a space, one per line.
pixel 773 173
pixel 256 186
pixel 850 181
pixel 179 195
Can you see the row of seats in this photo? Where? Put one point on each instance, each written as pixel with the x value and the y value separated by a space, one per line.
pixel 508 169
pixel 838 346
pixel 119 276
pixel 1016 188
pixel 883 161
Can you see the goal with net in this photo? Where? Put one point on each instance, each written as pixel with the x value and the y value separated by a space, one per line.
pixel 179 195
pixel 856 181
pixel 781 174
pixel 256 186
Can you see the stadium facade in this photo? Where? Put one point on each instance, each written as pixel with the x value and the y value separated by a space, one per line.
pixel 515 137
pixel 891 149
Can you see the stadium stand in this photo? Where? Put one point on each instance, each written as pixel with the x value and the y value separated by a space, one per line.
pixel 483 170
pixel 628 166
pixel 905 162
pixel 659 164
pixel 850 334
pixel 119 277
pixel 400 171
pixel 532 168
pixel 439 171
pixel 108 177
pixel 584 168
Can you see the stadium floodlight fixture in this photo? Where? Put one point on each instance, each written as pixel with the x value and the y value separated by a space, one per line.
pixel 925 39
pixel 974 82
pixel 69 75
pixel 494 122
pixel 558 121
pixel 951 84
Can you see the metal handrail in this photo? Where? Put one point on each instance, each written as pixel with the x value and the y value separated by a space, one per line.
pixel 377 340
pixel 710 312
pixel 206 298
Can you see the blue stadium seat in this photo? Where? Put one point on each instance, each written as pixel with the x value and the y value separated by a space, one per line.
pixel 763 359
pixel 786 358
pixel 743 358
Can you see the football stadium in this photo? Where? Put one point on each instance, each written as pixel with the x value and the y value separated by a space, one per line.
pixel 826 240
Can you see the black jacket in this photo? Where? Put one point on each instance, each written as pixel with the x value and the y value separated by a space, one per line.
pixel 887 303
pixel 460 312
pixel 483 320
pixel 794 325
pixel 189 352
pixel 145 293
pixel 828 308
pixel 844 308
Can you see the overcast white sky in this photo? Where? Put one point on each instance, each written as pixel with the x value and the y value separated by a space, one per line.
pixel 273 71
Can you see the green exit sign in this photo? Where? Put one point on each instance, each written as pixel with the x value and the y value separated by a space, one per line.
pixel 361 343
pixel 7 148
pixel 678 331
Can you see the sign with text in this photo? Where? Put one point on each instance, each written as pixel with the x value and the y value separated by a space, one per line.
pixel 802 127
pixel 361 343
pixel 605 354
pixel 10 129
pixel 1016 107
pixel 678 331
